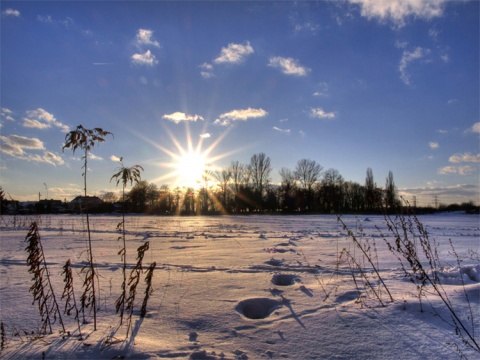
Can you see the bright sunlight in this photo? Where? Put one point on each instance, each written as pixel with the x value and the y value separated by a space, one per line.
pixel 190 169
pixel 191 165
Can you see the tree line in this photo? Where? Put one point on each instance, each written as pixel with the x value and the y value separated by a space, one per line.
pixel 246 188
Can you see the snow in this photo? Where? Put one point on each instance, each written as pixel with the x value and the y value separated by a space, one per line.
pixel 244 287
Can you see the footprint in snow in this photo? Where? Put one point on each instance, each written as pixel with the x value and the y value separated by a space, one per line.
pixel 192 336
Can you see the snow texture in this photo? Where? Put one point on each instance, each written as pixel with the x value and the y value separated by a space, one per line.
pixel 245 287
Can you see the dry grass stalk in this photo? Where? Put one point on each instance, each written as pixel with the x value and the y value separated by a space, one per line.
pixel 3 337
pixel 124 175
pixel 133 282
pixel 410 243
pixel 69 295
pixel 148 290
pixel 86 139
pixel 367 256
pixel 368 284
pixel 41 289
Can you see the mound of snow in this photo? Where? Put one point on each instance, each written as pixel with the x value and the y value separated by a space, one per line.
pixel 472 272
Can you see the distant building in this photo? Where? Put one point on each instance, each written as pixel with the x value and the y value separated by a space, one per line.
pixel 80 202
pixel 91 200
pixel 49 206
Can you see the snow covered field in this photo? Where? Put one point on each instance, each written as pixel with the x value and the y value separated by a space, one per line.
pixel 245 287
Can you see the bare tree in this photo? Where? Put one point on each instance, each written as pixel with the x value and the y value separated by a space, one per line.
pixel 237 171
pixel 332 190
pixel 3 203
pixel 287 189
pixel 240 182
pixel 165 199
pixel 288 177
pixel 260 170
pixel 223 177
pixel 371 192
pixel 109 197
pixel 307 172
pixel 152 194
pixel 138 196
pixel 391 198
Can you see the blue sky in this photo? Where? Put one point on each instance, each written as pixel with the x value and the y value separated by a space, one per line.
pixel 390 85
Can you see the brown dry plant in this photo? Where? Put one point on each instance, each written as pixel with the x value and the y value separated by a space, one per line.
pixel 41 289
pixel 85 139
pixel 124 175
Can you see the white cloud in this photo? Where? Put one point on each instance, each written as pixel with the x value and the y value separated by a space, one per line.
pixel 11 12
pixel 49 158
pixel 461 170
pixel 7 114
pixel 177 117
pixel 323 90
pixel 147 59
pixel 401 44
pixel 466 157
pixel 285 131
pixel 242 115
pixel 433 32
pixel 221 122
pixel 234 53
pixel 397 11
pixel 205 136
pixel 322 114
pixel 452 101
pixel 206 70
pixel 442 131
pixel 17 147
pixel 42 119
pixel 475 128
pixel 15 144
pixel 144 37
pixel 94 157
pixel 448 170
pixel 433 145
pixel 41 114
pixel 65 128
pixel 45 19
pixel 115 159
pixel 288 66
pixel 67 22
pixel 407 58
pixel 308 26
pixel 32 123
pixel 467 169
pixel 427 194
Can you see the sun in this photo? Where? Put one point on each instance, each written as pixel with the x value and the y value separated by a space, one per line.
pixel 192 163
pixel 191 169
